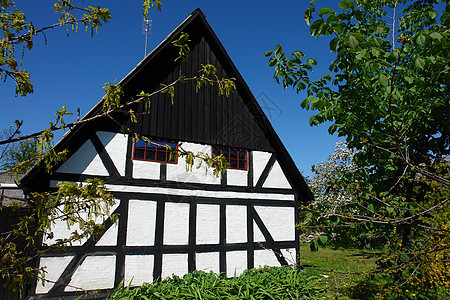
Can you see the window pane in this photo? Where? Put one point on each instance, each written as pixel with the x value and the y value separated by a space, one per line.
pixel 233 164
pixel 150 154
pixel 226 152
pixel 233 153
pixel 242 165
pixel 151 144
pixel 172 145
pixel 242 154
pixel 140 144
pixel 139 153
pixel 216 151
pixel 161 156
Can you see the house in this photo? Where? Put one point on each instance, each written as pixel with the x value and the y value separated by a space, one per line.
pixel 172 221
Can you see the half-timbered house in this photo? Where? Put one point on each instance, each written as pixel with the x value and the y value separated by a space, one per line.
pixel 172 221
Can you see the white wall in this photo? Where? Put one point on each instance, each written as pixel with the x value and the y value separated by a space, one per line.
pixel 141 223
pixel 177 172
pixel 98 272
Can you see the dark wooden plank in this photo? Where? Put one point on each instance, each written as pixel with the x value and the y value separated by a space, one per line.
pixel 201 94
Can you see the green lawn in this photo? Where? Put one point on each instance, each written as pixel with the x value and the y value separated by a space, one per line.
pixel 343 272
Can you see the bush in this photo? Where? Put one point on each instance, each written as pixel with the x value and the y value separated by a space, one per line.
pixel 261 283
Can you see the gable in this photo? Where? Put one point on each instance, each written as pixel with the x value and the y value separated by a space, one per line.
pixel 201 116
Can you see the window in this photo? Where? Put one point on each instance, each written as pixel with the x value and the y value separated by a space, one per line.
pixel 237 158
pixel 155 151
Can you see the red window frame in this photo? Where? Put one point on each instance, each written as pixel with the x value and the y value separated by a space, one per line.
pixel 237 158
pixel 155 151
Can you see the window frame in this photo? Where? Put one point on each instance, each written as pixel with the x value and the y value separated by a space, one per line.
pixel 237 159
pixel 157 141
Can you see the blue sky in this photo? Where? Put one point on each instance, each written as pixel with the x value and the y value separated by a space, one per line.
pixel 71 71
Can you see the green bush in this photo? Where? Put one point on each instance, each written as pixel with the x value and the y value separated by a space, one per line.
pixel 261 283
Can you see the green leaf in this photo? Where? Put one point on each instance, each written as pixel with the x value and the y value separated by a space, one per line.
pixel 326 11
pixel 314 29
pixel 420 39
pixel 308 15
pixel 312 99
pixel 268 53
pixel 376 52
pixel 361 54
pixel 332 129
pixel 409 79
pixel 298 54
pixel 323 239
pixel 278 49
pixel 312 61
pixel 384 80
pixel 436 35
pixel 353 42
pixel 272 61
pixel 390 209
pixel 305 104
pixel 419 63
pixel 333 44
pixel 346 4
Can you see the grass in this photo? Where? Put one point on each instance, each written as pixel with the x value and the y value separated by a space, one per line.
pixel 343 273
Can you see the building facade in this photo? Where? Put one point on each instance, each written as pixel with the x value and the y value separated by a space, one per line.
pixel 172 221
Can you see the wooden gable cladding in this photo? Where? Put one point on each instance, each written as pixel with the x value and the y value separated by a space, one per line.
pixel 201 116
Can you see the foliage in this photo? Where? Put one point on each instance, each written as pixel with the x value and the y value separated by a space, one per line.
pixel 388 94
pixel 84 207
pixel 21 157
pixel 261 283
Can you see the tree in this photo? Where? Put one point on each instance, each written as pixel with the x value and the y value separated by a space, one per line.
pixel 21 157
pixel 84 204
pixel 388 94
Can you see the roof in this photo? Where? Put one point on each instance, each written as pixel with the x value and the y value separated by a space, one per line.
pixel 202 117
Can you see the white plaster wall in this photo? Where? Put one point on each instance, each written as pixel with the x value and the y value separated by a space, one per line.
pixel 199 193
pixel 236 263
pixel 138 269
pixel 176 224
pixel 260 160
pixel 54 267
pixel 290 255
pixel 109 238
pixel 96 272
pixel 174 264
pixel 236 220
pixel 265 257
pixel 208 224
pixel 141 223
pixel 116 146
pixel 177 172
pixel 146 169
pixel 84 161
pixel 237 177
pixel 207 262
pixel 276 178
pixel 280 221
pixel 61 231
pixel 257 234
